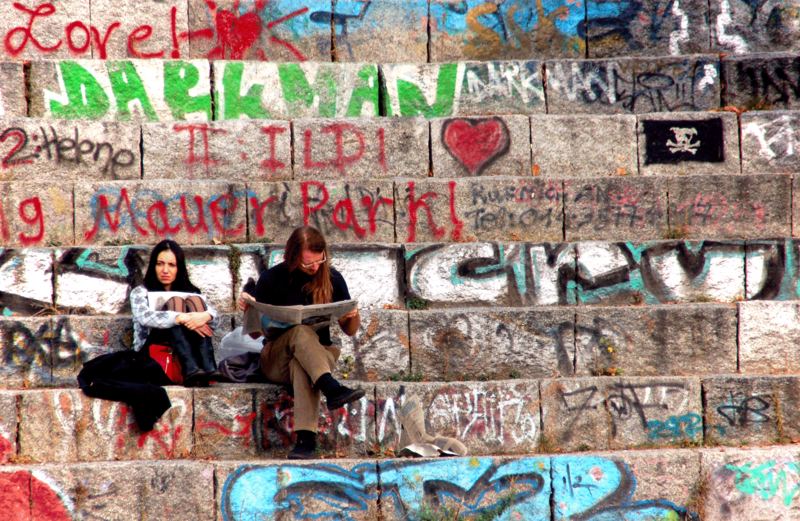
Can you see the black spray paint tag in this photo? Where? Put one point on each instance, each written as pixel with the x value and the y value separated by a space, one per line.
pixel 675 141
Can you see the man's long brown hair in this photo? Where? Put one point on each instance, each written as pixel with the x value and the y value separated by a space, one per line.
pixel 308 237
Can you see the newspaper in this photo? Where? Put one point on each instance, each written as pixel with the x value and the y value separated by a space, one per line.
pixel 259 317
pixel 157 299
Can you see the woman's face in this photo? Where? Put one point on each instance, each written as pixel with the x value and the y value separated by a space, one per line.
pixel 166 268
pixel 310 261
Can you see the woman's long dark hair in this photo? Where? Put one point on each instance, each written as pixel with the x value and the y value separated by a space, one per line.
pixel 309 238
pixel 182 282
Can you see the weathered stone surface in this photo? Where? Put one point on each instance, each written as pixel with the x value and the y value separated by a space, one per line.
pixel 496 208
pixel 224 422
pixel 362 211
pixel 583 146
pixel 138 90
pixel 730 206
pixel 668 475
pixel 750 483
pixel 26 281
pixel 346 431
pixel 75 339
pixel 505 274
pixel 143 29
pixel 381 31
pixel 500 417
pixel 762 81
pixel 209 270
pixel 492 343
pixel 295 90
pixel 688 143
pixel 33 32
pixel 363 148
pixel 275 31
pixel 771 272
pixel 768 336
pixel 107 430
pixel 655 340
pixel 611 413
pixel 50 430
pixel 660 272
pixel 740 27
pixel 241 150
pixel 41 150
pixel 380 348
pixel 616 208
pixel 674 84
pixel 590 86
pixel 462 89
pixel 770 142
pixel 36 214
pixel 649 28
pixel 12 95
pixel 25 351
pixel 145 212
pixel 8 426
pixel 247 490
pixel 467 147
pixel 476 30
pixel 747 410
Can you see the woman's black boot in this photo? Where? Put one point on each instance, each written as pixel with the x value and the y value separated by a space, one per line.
pixel 193 375
pixel 205 351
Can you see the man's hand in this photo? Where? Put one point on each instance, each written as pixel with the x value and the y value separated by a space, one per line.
pixel 350 322
pixel 241 302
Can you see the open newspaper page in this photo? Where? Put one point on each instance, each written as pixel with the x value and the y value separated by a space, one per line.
pixel 259 317
pixel 157 299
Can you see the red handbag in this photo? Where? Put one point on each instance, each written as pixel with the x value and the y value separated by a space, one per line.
pixel 169 363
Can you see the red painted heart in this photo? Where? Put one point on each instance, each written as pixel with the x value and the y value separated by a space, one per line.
pixel 237 33
pixel 475 143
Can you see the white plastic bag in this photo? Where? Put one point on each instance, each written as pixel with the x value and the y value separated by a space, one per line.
pixel 236 343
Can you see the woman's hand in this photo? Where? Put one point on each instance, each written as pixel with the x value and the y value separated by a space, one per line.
pixel 196 321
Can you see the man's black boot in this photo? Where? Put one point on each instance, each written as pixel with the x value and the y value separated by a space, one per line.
pixel 305 447
pixel 336 394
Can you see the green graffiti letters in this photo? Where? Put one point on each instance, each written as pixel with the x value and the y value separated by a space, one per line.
pixel 768 480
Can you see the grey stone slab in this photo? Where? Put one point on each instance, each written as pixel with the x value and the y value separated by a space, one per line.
pixel 768 334
pixel 8 426
pixel 224 422
pixel 647 28
pixel 49 430
pixel 36 214
pixel 209 270
pixel 729 206
pixel 764 81
pixel 675 84
pixel 123 90
pixel 741 27
pixel 46 37
pixel 12 97
pixel 26 351
pixel 360 148
pixel 690 339
pixel 617 208
pixel 583 146
pixel 380 348
pixel 263 90
pixel 611 413
pixel 61 151
pixel 499 417
pixel 381 31
pixel 771 269
pixel 495 208
pixel 241 150
pixel 352 212
pixel 75 339
pixel 464 88
pixel 491 343
pixel 273 31
pixel 26 276
pixel 748 410
pixel 795 207
pixel 770 142
pixel 513 29
pixel 590 86
pixel 146 212
pixel 140 29
pixel 248 489
pixel 470 147
pixel 484 274
pixel 88 290
pixel 750 483
pixel 688 143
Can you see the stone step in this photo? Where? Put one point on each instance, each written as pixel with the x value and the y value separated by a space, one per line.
pixel 499 417
pixel 708 484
